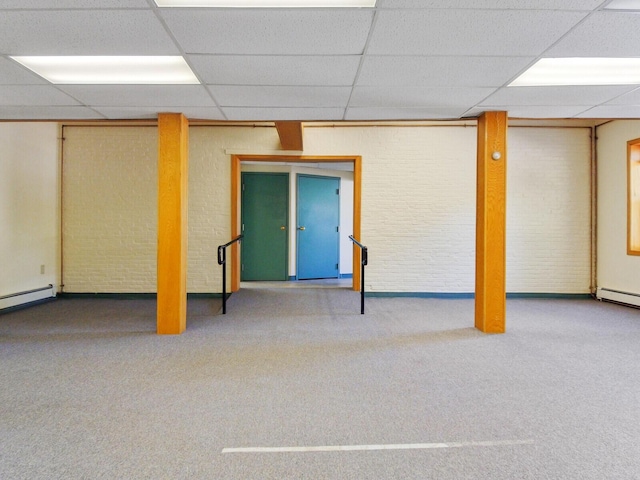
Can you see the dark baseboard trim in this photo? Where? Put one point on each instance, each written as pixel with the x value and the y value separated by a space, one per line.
pixel 453 296
pixel 471 295
pixel 132 296
pixel 551 296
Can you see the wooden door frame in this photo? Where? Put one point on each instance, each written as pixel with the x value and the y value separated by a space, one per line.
pixel 236 161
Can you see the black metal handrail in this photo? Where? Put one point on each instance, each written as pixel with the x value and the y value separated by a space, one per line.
pixel 364 259
pixel 222 260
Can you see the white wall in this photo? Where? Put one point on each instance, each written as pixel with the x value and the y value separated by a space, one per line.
pixel 616 269
pixel 418 205
pixel 548 210
pixel 29 208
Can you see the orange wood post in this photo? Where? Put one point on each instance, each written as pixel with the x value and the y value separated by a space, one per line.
pixel 173 155
pixel 490 295
pixel 357 226
pixel 236 176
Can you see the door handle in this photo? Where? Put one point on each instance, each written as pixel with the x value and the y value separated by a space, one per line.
pixel 282 227
pixel 301 228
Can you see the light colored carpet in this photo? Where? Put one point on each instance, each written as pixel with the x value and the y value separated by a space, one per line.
pixel 89 391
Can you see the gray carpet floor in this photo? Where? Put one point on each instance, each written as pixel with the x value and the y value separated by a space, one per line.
pixel 410 390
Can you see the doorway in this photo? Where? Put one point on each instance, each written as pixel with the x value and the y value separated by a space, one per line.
pixel 236 223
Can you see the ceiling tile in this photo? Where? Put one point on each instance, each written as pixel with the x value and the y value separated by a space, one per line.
pixel 630 98
pixel 83 32
pixel 603 34
pixel 125 113
pixel 271 114
pixel 16 95
pixel 240 96
pixel 535 111
pixel 411 97
pixel 612 111
pixel 424 113
pixel 275 69
pixel 140 95
pixel 48 113
pixel 439 71
pixel 80 4
pixel 494 4
pixel 469 32
pixel 13 74
pixel 271 31
pixel 562 95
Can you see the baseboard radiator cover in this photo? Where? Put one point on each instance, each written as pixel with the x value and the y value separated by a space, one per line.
pixel 618 296
pixel 27 296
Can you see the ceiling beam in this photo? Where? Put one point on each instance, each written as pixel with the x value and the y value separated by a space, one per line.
pixel 290 134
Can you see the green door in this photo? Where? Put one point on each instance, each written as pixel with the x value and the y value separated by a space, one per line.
pixel 318 227
pixel 265 213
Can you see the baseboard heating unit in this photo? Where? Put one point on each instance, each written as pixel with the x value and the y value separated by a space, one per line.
pixel 27 296
pixel 618 296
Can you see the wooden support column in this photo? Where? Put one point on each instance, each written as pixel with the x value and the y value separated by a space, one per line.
pixel 290 134
pixel 173 154
pixel 490 296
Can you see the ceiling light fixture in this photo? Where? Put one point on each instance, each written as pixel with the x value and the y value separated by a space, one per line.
pixel 266 3
pixel 580 71
pixel 120 70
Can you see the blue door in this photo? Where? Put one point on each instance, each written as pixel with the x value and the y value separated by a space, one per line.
pixel 318 227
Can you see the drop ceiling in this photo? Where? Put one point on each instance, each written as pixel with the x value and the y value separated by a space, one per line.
pixel 402 60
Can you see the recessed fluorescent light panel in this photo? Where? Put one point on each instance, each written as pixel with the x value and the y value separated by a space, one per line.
pixel 128 70
pixel 581 71
pixel 266 3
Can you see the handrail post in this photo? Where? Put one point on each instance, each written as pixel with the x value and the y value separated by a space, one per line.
pixel 364 260
pixel 224 278
pixel 222 260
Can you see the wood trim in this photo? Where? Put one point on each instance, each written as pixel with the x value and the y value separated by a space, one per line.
pixel 235 222
pixel 490 294
pixel 290 134
pixel 296 158
pixel 357 214
pixel 173 157
pixel 633 211
pixel 235 202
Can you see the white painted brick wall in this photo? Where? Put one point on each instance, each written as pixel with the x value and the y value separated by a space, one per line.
pixel 210 196
pixel 110 214
pixel 548 210
pixel 418 205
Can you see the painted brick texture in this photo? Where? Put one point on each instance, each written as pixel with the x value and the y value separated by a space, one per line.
pixel 548 210
pixel 109 209
pixel 418 205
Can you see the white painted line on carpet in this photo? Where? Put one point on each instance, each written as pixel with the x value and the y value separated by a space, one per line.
pixel 397 446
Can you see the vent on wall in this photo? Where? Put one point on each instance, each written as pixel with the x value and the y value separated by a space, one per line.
pixel 28 296
pixel 618 296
